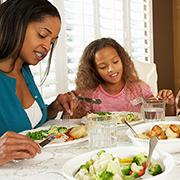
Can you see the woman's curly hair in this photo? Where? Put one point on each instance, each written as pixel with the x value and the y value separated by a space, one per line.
pixel 88 77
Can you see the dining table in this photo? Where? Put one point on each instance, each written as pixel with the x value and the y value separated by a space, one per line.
pixel 48 165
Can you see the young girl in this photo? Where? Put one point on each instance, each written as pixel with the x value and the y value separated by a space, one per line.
pixel 107 72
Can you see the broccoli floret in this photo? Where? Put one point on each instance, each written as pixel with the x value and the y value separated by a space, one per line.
pixel 38 135
pixel 101 152
pixel 130 177
pixel 140 159
pixel 53 130
pixel 155 169
pixel 62 129
pixel 106 175
pixel 126 169
pixel 103 113
pixel 87 165
pixel 130 117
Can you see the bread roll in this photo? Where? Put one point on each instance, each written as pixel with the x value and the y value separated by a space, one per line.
pixel 78 132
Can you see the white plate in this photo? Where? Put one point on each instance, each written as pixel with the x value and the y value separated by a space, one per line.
pixel 57 142
pixel 172 118
pixel 139 115
pixel 122 113
pixel 168 145
pixel 71 166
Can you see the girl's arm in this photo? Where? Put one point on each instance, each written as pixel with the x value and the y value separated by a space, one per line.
pixel 168 96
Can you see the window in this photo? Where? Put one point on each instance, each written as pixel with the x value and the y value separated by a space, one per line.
pixel 127 21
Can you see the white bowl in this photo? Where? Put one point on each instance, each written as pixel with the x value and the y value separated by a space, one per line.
pixel 72 165
pixel 168 145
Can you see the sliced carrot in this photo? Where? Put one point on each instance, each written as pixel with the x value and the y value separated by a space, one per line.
pixel 141 172
pixel 58 135
pixel 70 138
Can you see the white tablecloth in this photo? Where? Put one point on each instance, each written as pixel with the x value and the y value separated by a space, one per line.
pixel 48 165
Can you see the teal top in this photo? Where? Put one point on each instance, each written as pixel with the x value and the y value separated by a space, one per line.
pixel 12 115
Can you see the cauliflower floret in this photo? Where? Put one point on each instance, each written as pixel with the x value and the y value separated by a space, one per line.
pixel 114 167
pixel 102 163
pixel 91 170
pixel 117 177
pixel 81 174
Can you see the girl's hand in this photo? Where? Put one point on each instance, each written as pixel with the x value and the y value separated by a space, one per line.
pixel 178 103
pixel 15 146
pixel 167 95
pixel 178 99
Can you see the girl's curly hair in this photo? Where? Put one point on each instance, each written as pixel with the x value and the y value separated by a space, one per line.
pixel 88 77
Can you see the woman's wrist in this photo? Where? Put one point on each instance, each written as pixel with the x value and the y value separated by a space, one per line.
pixel 54 108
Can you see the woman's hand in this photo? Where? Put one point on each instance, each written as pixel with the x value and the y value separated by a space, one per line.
pixel 15 146
pixel 66 102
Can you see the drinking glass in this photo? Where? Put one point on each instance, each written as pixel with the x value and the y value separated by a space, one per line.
pixel 153 110
pixel 102 132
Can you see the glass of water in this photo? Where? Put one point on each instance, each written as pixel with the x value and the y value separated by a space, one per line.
pixel 153 110
pixel 102 132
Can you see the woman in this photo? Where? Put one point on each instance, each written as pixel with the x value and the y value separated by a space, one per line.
pixel 29 30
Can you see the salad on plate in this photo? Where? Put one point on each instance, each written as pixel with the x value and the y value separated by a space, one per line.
pixel 105 166
pixel 131 117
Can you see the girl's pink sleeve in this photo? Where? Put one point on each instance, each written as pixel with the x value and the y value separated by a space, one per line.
pixel 146 90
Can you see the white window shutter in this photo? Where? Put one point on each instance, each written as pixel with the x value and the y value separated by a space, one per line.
pixel 127 21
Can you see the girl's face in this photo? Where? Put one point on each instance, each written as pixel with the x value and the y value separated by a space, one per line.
pixel 39 38
pixel 109 65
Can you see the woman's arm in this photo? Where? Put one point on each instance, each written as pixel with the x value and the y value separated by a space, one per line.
pixel 64 102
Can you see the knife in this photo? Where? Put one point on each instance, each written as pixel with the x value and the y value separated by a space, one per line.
pixel 90 100
pixel 47 140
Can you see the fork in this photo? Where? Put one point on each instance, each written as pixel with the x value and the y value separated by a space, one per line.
pixel 131 128
pixel 152 144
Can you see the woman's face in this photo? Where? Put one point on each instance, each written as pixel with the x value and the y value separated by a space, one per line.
pixel 109 65
pixel 39 38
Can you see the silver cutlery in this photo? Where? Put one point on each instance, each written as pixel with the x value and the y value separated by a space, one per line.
pixel 90 100
pixel 131 128
pixel 152 144
pixel 47 140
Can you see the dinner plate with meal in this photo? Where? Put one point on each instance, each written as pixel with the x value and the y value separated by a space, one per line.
pixel 167 132
pixel 63 135
pixel 122 163
pixel 132 117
